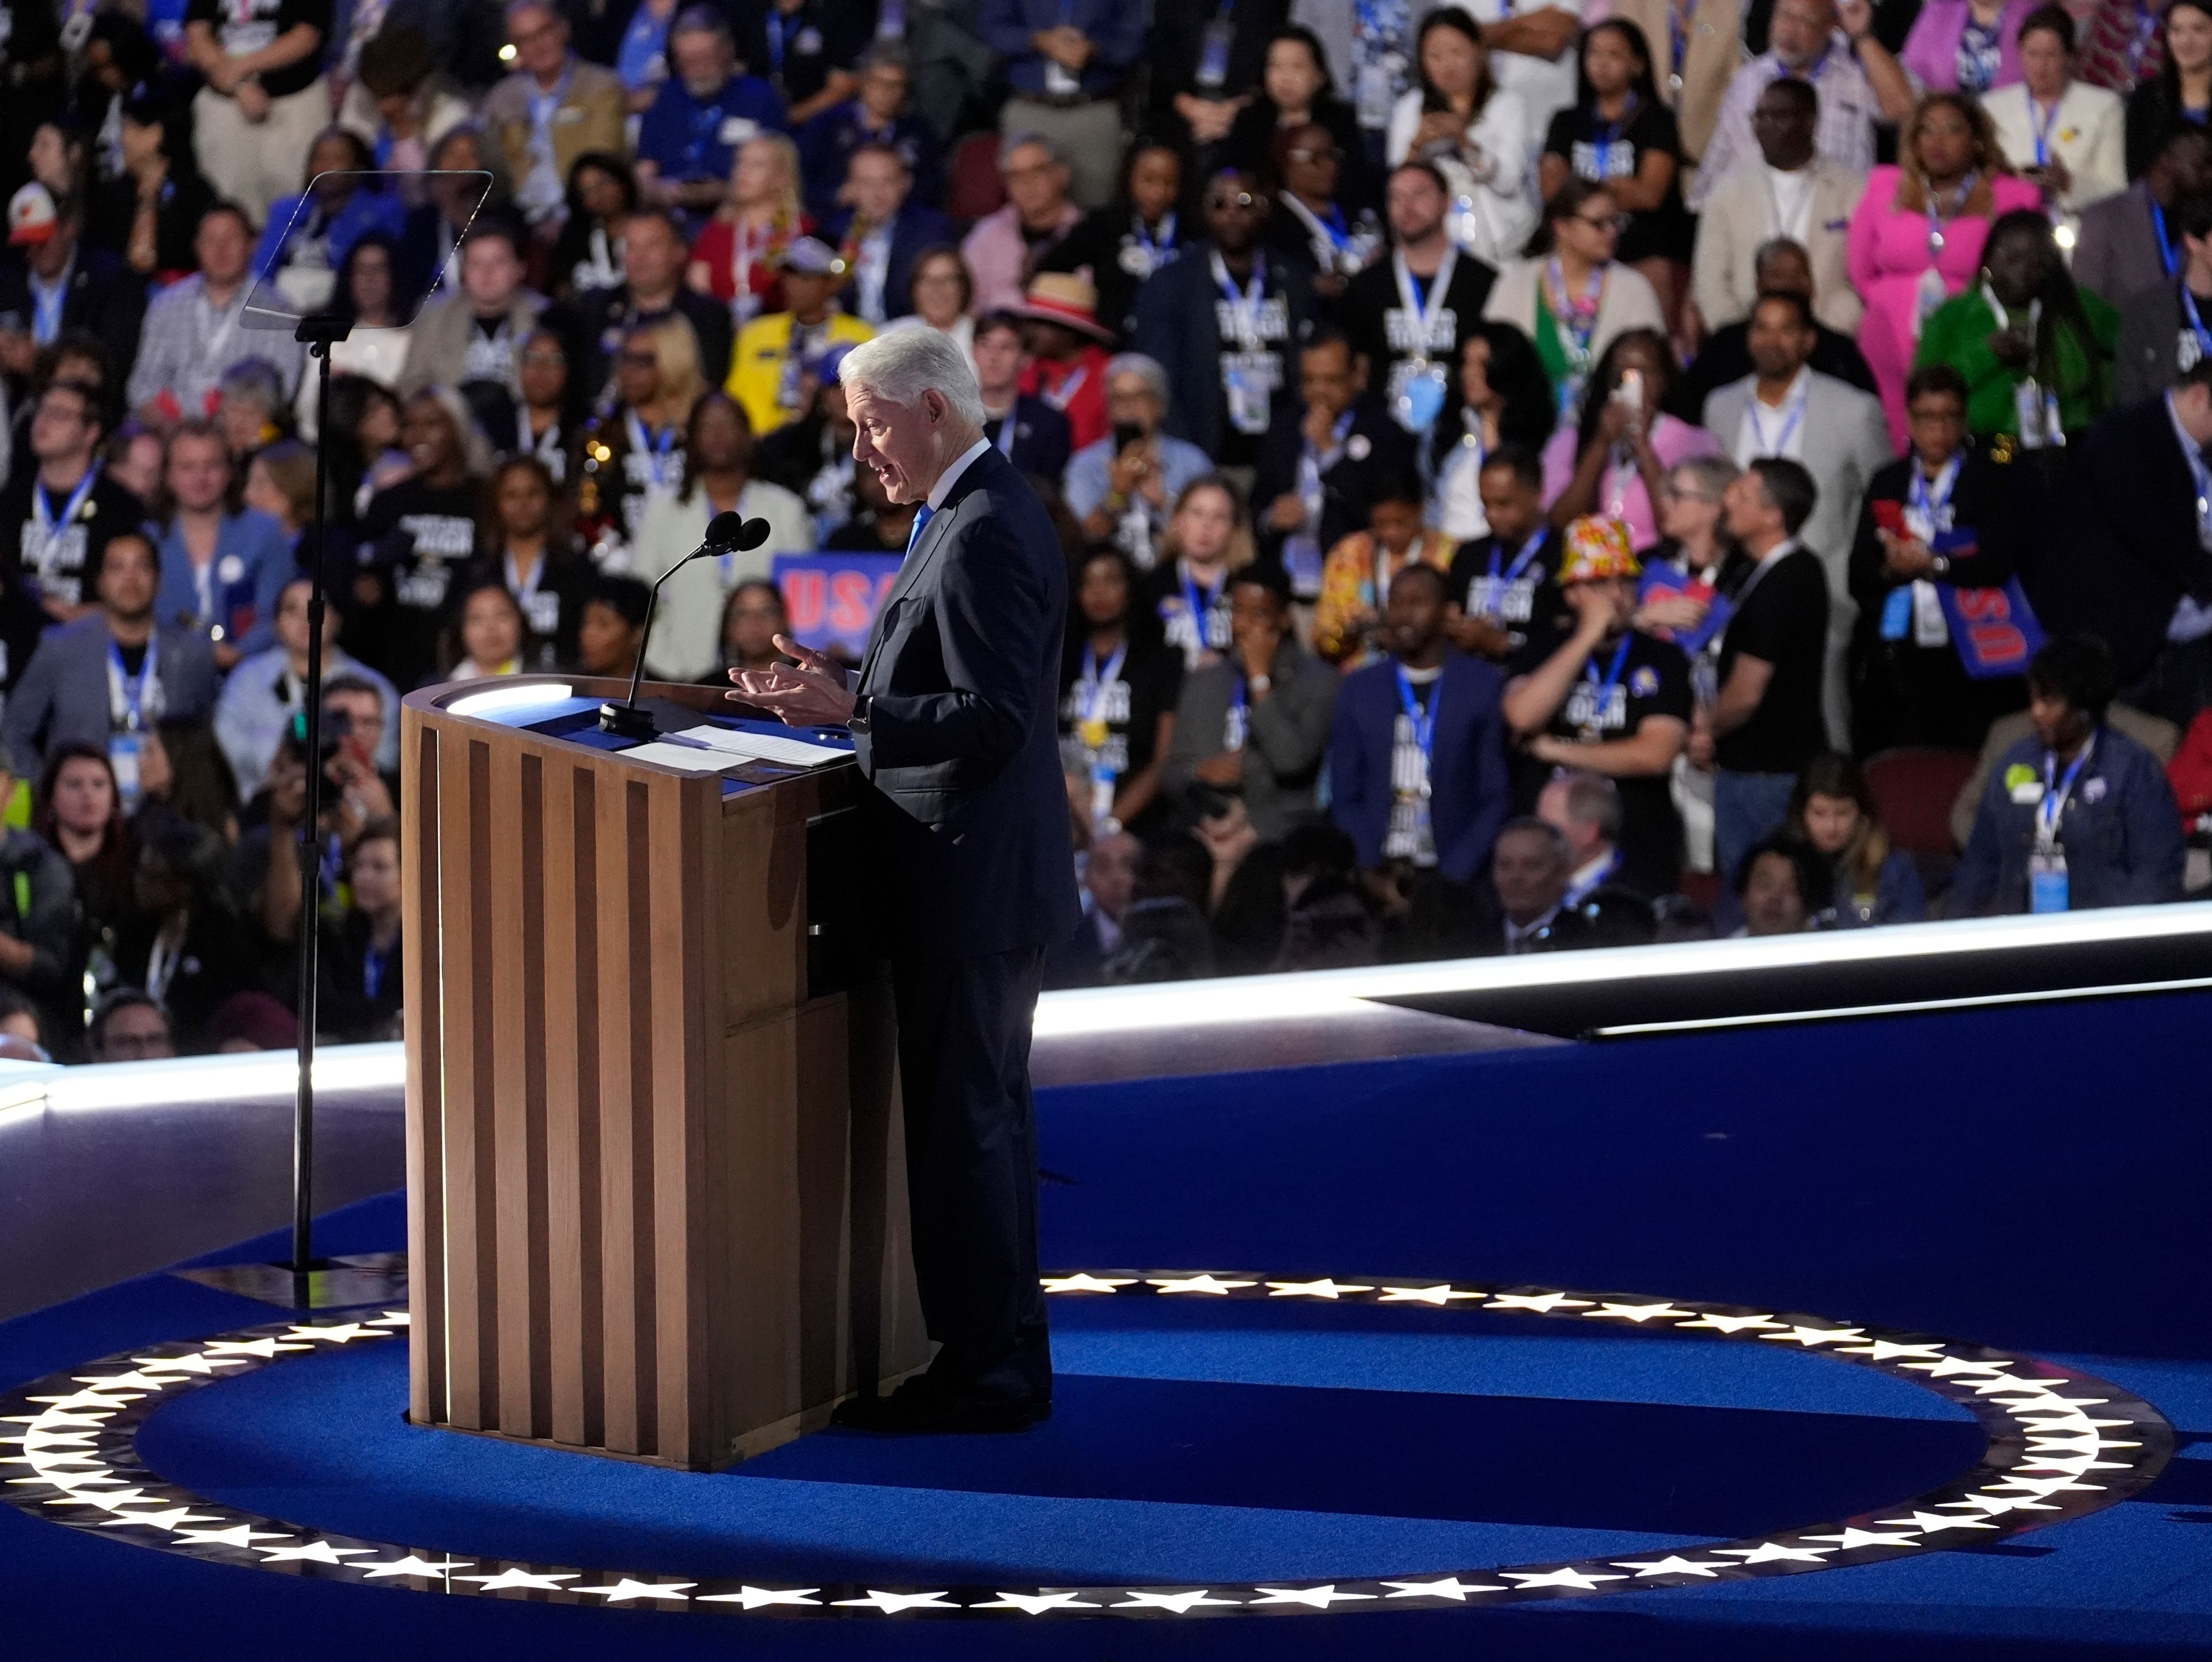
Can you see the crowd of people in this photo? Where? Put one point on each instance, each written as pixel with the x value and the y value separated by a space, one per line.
pixel 1589 471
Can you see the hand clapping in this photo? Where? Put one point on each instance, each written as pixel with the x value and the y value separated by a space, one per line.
pixel 809 692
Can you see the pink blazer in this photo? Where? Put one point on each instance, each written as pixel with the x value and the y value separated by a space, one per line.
pixel 1931 50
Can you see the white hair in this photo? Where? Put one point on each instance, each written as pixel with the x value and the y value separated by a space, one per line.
pixel 900 367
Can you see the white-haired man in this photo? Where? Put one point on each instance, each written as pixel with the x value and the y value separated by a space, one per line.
pixel 968 868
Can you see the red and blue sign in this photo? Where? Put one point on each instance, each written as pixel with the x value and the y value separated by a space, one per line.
pixel 831 600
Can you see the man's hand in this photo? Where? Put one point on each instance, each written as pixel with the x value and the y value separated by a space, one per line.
pixel 1671 611
pixel 810 692
pixel 1856 16
pixel 1286 513
pixel 1226 770
pixel 1593 610
pixel 252 101
pixel 1700 751
pixel 1905 557
pixel 1471 631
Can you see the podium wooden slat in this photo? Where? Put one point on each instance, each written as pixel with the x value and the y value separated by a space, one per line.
pixel 656 1177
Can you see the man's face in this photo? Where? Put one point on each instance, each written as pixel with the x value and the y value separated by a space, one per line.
pixel 1235 207
pixel 1783 127
pixel 701 61
pixel 1110 874
pixel 1255 618
pixel 1771 903
pixel 199 471
pixel 897 442
pixel 364 714
pixel 605 643
pixel 222 249
pixel 1035 184
pixel 1744 506
pixel 1131 402
pixel 653 255
pixel 51 258
pixel 127 578
pixel 1415 206
pixel 1620 595
pixel 1800 29
pixel 137 1033
pixel 1529 876
pixel 1510 503
pixel 998 354
pixel 883 90
pixel 61 428
pixel 877 183
pixel 1413 618
pixel 1312 164
pixel 490 274
pixel 545 371
pixel 1327 380
pixel 2187 162
pixel 807 293
pixel 1787 271
pixel 1582 836
pixel 540 38
pixel 1778 341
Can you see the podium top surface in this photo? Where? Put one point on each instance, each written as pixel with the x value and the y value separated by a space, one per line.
pixel 565 709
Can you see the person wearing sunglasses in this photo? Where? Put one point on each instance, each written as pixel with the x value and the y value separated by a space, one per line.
pixel 1571 296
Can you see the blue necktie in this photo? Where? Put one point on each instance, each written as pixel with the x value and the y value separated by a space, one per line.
pixel 920 519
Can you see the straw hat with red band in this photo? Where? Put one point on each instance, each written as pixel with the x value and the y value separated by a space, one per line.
pixel 1598 548
pixel 1063 298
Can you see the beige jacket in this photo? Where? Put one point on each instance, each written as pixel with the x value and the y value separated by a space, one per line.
pixel 1629 303
pixel 590 118
pixel 1715 51
pixel 438 340
pixel 1740 215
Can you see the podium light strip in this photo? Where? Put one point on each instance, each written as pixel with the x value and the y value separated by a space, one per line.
pixel 2062 1444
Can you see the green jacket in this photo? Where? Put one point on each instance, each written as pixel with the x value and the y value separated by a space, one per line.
pixel 1958 333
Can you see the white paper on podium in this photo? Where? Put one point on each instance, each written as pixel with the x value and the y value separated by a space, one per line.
pixel 683 756
pixel 763 747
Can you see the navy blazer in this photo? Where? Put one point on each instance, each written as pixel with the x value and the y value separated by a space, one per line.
pixel 969 848
pixel 1471 789
pixel 915 231
pixel 1042 443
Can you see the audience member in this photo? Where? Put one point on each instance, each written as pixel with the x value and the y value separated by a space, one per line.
pixel 2045 371
pixel 1917 235
pixel 586 257
pixel 1110 874
pixel 1065 61
pixel 1322 459
pixel 1189 588
pixel 2178 93
pixel 1571 296
pixel 1067 353
pixel 40 957
pixel 64 512
pixel 1942 516
pixel 1028 431
pixel 195 330
pixel 1778 887
pixel 310 232
pixel 1008 246
pixel 1531 867
pixel 1609 699
pixel 248 1021
pixel 1614 460
pixel 1253 722
pixel 1296 90
pixel 879 112
pixel 876 524
pixel 1966 45
pixel 1119 685
pixel 400 103
pixel 534 559
pixel 939 294
pixel 54 283
pixel 489 635
pixel 1362 570
pixel 1834 812
pixel 183 941
pixel 2128 243
pixel 779 355
pixel 1133 236
pixel 263 692
pixel 1476 134
pixel 1316 217
pixel 552 108
pixel 1120 487
pixel 417 537
pixel 808 47
pixel 652 291
pixel 1793 195
pixel 2162 329
pixel 264 98
pixel 129 1027
pixel 1327 922
pixel 706 107
pixel 812 457
pixel 1780 267
pixel 1505 399
pixel 1586 808
pixel 611 627
pixel 638 445
pixel 738 257
pixel 752 618
pixel 2062 135
pixel 881 233
pixel 2077 814
pixel 150 212
pixel 1689 573
pixel 220 571
pixel 472 341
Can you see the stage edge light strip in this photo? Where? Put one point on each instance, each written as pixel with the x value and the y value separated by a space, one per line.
pixel 1980 1001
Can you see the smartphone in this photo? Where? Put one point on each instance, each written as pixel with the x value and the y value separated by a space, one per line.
pixel 1125 434
pixel 1630 390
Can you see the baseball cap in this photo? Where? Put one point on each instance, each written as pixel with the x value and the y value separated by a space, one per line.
pixel 31 216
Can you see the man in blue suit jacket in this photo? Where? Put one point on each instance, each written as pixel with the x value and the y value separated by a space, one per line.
pixel 970 870
pixel 1417 757
pixel 881 234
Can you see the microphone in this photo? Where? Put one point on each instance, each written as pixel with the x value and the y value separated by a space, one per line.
pixel 726 533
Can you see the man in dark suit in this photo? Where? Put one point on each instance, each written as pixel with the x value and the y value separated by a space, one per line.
pixel 970 872
pixel 2129 243
pixel 881 232
pixel 654 255
pixel 1322 456
pixel 1027 431
pixel 52 285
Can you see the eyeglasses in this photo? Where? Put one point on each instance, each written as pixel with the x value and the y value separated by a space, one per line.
pixel 1944 415
pixel 1302 153
pixel 1615 223
pixel 1675 493
pixel 1223 202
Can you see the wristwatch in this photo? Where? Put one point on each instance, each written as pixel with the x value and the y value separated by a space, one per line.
pixel 858 721
pixel 1939 565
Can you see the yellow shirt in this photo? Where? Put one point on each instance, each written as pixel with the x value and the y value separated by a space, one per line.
pixel 1356 579
pixel 757 377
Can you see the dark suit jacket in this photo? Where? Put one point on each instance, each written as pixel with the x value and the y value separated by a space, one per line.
pixel 1726 357
pixel 916 228
pixel 608 314
pixel 1468 776
pixel 2128 551
pixel 2115 250
pixel 969 845
pixel 1042 443
pixel 2144 363
pixel 1176 324
pixel 103 299
pixel 1982 501
pixel 1346 488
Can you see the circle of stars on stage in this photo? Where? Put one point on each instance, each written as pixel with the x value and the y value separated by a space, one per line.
pixel 2061 1444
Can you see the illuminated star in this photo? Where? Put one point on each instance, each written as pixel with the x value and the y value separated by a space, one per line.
pixel 91 1422
pixel 175 1518
pixel 1992 1505
pixel 390 1318
pixel 1324 1288
pixel 1853 1537
pixel 2086 1442
pixel 521 1578
pixel 267 1348
pixel 1181 1603
pixel 337 1333
pixel 411 1565
pixel 1943 1368
pixel 1884 1350
pixel 1450 1587
pixel 241 1537
pixel 1316 1597
pixel 1083 1284
pixel 318 1552
pixel 1729 1324
pixel 1037 1603
pixel 87 1399
pixel 754 1597
pixel 1200 1284
pixel 134 1381
pixel 2040 1487
pixel 109 1502
pixel 1812 1337
pixel 1437 1295
pixel 891 1603
pixel 1773 1552
pixel 625 1590
pixel 1638 1314
pixel 2006 1385
pixel 1927 1523
pixel 198 1362
pixel 1542 1303
pixel 1672 1566
pixel 1567 1577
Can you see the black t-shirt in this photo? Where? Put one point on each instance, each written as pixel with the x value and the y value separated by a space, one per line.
pixel 1781 618
pixel 418 543
pixel 56 565
pixel 799 51
pixel 1374 320
pixel 1653 679
pixel 1522 596
pixel 1594 149
pixel 248 26
pixel 552 608
pixel 1143 688
pixel 1162 592
pixel 1107 240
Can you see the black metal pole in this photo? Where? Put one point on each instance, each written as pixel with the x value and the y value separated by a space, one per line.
pixel 310 843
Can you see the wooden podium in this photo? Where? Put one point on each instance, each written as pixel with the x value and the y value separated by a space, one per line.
pixel 656 1185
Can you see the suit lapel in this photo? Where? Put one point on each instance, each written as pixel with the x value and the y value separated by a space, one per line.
pixel 925 550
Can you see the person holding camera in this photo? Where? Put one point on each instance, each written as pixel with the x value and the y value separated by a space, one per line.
pixel 1121 487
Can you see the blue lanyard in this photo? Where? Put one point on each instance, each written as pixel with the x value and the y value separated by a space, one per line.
pixel 42 510
pixel 1678 40
pixel 775 39
pixel 2043 133
pixel 1199 614
pixel 1936 219
pixel 1612 674
pixel 1929 502
pixel 1529 551
pixel 657 453
pixel 2168 255
pixel 1607 132
pixel 1155 245
pixel 372 964
pixel 134 689
pixel 1781 441
pixel 2055 792
pixel 2195 323
pixel 1424 723
pixel 1097 677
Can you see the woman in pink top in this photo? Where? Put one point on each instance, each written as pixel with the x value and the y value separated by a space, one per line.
pixel 1915 239
pixel 1615 461
pixel 1966 45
